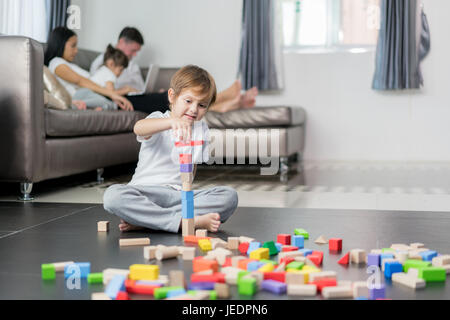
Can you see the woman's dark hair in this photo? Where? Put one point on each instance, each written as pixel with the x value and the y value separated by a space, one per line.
pixel 132 34
pixel 56 43
pixel 119 58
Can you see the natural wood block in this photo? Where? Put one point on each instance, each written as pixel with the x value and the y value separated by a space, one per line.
pixel 166 253
pixel 321 240
pixel 149 252
pixel 186 186
pixel 188 227
pixel 441 261
pixel 360 289
pixel 358 256
pixel 414 255
pixel 235 260
pixel 306 290
pixel 60 266
pixel 291 254
pixel 103 226
pixel 413 272
pixel 321 275
pixel 100 296
pixel 417 245
pixel 223 290
pixel 187 253
pixel 376 251
pixel 220 255
pixel 337 292
pixel 201 233
pixel 280 268
pixel 401 256
pixel 134 242
pixel 400 247
pixel 245 239
pixel 233 243
pixel 110 273
pixel 408 280
pixel 176 278
pixel 187 177
pixel 295 278
pixel 218 243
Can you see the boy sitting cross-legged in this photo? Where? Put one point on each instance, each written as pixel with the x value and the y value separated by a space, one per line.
pixel 153 199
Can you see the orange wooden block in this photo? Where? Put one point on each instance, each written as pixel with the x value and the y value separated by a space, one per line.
pixel 194 239
pixel 200 264
pixel 242 264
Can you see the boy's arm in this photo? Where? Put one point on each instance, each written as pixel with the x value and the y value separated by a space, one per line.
pixel 110 86
pixel 148 127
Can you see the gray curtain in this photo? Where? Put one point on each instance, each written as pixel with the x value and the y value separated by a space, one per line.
pixel 257 66
pixel 57 13
pixel 404 40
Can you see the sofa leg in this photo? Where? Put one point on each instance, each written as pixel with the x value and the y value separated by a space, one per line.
pixel 25 189
pixel 284 169
pixel 100 178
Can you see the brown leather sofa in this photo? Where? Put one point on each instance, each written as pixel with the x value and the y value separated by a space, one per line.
pixel 40 144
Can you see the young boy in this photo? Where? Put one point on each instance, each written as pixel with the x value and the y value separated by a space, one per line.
pixel 153 198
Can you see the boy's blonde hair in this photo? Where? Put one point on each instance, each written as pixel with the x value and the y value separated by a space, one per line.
pixel 192 76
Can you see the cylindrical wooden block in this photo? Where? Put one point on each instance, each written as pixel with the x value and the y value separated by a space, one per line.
pixel 166 253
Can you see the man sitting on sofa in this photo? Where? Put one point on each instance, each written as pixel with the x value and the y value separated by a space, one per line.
pixel 130 42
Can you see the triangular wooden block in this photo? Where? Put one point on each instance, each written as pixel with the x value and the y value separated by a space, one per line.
pixel 345 259
pixel 321 240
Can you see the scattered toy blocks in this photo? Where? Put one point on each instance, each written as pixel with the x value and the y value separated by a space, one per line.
pixel 188 227
pixel 205 245
pixel 298 241
pixel 116 285
pixel 335 245
pixel 432 274
pixel 243 247
pixel 83 267
pixel 392 267
pixel 94 278
pixel 373 259
pixel 253 246
pixel 271 246
pixel 377 292
pixel 134 242
pixel 345 260
pixel 233 243
pixel 144 272
pixel 103 226
pixel 273 286
pixel 247 286
pixel 48 272
pixel 284 239
pixel 321 240
pixel 261 253
pixel 301 232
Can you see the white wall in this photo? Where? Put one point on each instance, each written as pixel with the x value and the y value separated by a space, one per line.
pixel 346 119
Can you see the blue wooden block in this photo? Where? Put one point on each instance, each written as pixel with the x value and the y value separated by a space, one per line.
pixel 386 255
pixel 187 209
pixel 306 252
pixel 187 195
pixel 115 285
pixel 273 286
pixel 373 259
pixel 428 255
pixel 377 293
pixel 253 246
pixel 186 168
pixel 298 241
pixel 201 286
pixel 278 245
pixel 255 265
pixel 391 267
pixel 175 293
pixel 72 269
pixel 362 298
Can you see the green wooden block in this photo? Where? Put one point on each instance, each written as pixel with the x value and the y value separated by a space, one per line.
pixel 267 261
pixel 242 274
pixel 161 293
pixel 48 272
pixel 95 278
pixel 297 265
pixel 271 246
pixel 247 286
pixel 432 274
pixel 416 264
pixel 192 292
pixel 213 295
pixel 387 250
pixel 301 232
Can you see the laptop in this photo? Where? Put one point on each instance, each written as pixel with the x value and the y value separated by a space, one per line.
pixel 150 81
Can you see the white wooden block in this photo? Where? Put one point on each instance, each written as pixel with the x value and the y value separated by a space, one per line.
pixel 306 290
pixel 218 243
pixel 149 252
pixel 321 240
pixel 295 278
pixel 201 233
pixel 163 279
pixel 176 278
pixel 417 245
pixel 345 283
pixel 223 290
pixel 110 273
pixel 134 242
pixel 245 239
pixel 400 247
pixel 376 251
pixel 358 256
pixel 414 255
pixel 233 243
pixel 60 266
pixel 413 272
pixel 202 295
pixel 408 280
pixel 103 226
pixel 337 292
pixel 188 253
pixel 422 250
pixel 300 259
pixel 447 268
pixel 100 296
pixel 360 289
pixel 166 253
pixel 219 254
pixel 440 261
pixel 314 276
pixel 401 256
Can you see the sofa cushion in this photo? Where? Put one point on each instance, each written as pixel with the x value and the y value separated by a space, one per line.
pixel 257 117
pixel 75 123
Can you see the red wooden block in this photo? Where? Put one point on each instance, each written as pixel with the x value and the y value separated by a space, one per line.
pixel 318 257
pixel 325 282
pixel 215 277
pixel 335 244
pixel 227 263
pixel 185 158
pixel 132 287
pixel 315 259
pixel 203 264
pixel 345 259
pixel 242 264
pixel 284 239
pixel 277 276
pixel 243 247
pixel 286 260
pixel 194 239
pixel 122 296
pixel 289 248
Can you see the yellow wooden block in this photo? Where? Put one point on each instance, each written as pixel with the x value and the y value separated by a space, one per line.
pixel 144 272
pixel 307 272
pixel 205 244
pixel 269 267
pixel 259 254
pixel 293 270
pixel 306 268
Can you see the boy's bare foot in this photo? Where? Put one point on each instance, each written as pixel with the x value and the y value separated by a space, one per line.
pixel 248 99
pixel 126 227
pixel 210 222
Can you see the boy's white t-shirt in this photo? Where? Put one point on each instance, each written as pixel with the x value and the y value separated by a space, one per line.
pixel 70 87
pixel 159 158
pixel 102 76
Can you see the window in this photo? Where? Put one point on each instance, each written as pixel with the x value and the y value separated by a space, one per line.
pixel 330 23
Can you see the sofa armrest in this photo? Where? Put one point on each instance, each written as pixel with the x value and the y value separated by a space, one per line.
pixel 22 123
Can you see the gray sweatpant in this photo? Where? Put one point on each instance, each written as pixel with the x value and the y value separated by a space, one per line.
pixel 94 100
pixel 159 207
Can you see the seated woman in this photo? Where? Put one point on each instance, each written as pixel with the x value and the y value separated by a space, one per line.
pixel 61 52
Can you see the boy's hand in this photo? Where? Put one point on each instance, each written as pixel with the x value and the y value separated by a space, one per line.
pixel 182 130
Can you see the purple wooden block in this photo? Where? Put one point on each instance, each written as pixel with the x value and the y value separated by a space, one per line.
pixel 149 283
pixel 377 293
pixel 186 167
pixel 373 259
pixel 274 286
pixel 201 286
